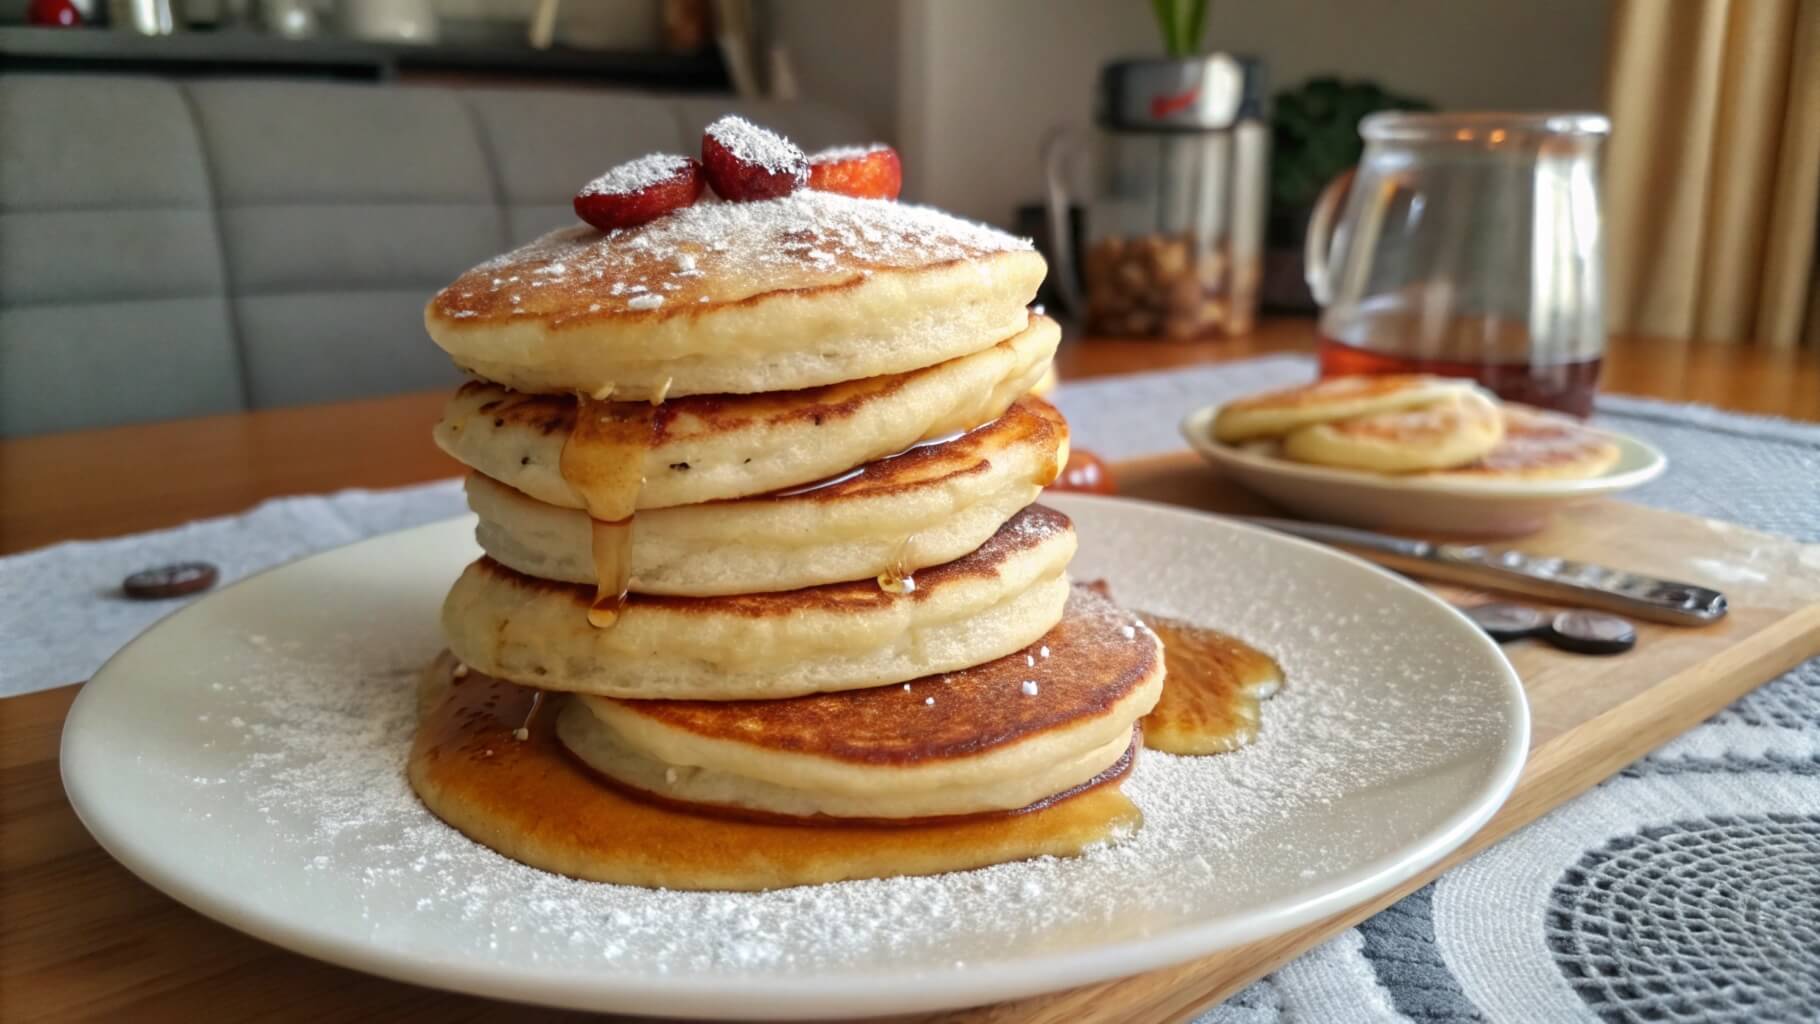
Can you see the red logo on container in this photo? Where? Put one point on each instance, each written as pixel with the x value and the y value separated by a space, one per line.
pixel 1163 106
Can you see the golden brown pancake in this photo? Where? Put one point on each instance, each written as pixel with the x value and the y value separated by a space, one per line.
pixel 712 447
pixel 1276 413
pixel 995 736
pixel 930 505
pixel 837 637
pixel 531 801
pixel 736 298
pixel 1540 446
pixel 1462 425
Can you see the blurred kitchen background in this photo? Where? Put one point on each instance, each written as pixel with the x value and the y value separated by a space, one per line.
pixel 1710 180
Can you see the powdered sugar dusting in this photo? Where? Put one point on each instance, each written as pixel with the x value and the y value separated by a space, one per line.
pixel 805 238
pixel 755 145
pixel 314 793
pixel 838 154
pixel 635 176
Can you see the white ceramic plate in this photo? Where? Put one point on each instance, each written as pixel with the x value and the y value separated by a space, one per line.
pixel 1416 504
pixel 245 756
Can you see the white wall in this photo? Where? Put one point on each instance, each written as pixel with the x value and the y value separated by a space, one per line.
pixel 979 82
pixel 845 52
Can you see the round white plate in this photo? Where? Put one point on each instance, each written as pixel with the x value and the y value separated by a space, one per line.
pixel 1419 504
pixel 246 756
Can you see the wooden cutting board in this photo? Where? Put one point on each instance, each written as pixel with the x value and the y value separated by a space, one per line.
pixel 81 937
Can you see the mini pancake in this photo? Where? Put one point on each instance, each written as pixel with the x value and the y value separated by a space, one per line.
pixel 1276 413
pixel 932 504
pixel 714 447
pixel 1461 426
pixel 1540 446
pixel 997 736
pixel 735 298
pixel 842 636
pixel 531 800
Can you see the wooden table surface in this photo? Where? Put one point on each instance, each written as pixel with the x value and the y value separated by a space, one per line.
pixel 106 482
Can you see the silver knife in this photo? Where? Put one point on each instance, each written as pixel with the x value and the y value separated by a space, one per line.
pixel 1581 584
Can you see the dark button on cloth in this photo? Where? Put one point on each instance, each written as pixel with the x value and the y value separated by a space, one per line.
pixel 170 580
pixel 1507 621
pixel 1592 633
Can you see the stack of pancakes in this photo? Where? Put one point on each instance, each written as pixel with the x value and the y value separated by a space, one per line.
pixel 754 484
pixel 1414 423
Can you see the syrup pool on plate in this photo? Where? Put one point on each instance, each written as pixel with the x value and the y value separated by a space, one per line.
pixel 1213 693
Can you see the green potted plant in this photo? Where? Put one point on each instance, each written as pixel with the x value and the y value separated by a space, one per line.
pixel 1182 23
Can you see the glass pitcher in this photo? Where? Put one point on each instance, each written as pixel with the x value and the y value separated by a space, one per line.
pixel 1173 226
pixel 1468 246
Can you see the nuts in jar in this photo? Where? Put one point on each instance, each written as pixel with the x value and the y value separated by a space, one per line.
pixel 1165 284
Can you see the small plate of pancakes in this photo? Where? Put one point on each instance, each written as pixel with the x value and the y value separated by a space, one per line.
pixel 1416 453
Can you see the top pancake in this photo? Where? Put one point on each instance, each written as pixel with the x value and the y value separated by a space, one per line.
pixel 736 298
pixel 1275 413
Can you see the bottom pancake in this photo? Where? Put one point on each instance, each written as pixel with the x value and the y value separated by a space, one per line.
pixel 531 801
pixel 596 745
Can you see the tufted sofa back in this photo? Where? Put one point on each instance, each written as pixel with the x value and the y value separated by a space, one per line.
pixel 175 248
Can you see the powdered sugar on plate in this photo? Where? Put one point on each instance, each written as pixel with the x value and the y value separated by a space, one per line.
pixel 839 154
pixel 1374 742
pixel 637 175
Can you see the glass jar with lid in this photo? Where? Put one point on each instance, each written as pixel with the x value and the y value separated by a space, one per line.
pixel 1173 223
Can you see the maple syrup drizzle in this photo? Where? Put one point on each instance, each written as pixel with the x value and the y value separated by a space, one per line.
pixel 858 471
pixel 1212 693
pixel 898 577
pixel 612 546
pixel 603 460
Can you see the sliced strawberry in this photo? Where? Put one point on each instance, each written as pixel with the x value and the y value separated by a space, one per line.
pixel 640 191
pixel 869 172
pixel 744 162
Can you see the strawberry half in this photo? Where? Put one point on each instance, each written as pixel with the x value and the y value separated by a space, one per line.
pixel 869 172
pixel 640 191
pixel 745 162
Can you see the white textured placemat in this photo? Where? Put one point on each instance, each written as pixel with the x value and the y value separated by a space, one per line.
pixel 1687 889
pixel 61 609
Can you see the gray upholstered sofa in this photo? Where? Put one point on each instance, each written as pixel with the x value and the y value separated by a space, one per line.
pixel 175 248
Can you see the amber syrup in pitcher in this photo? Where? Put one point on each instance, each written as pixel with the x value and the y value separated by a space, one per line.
pixel 1563 386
